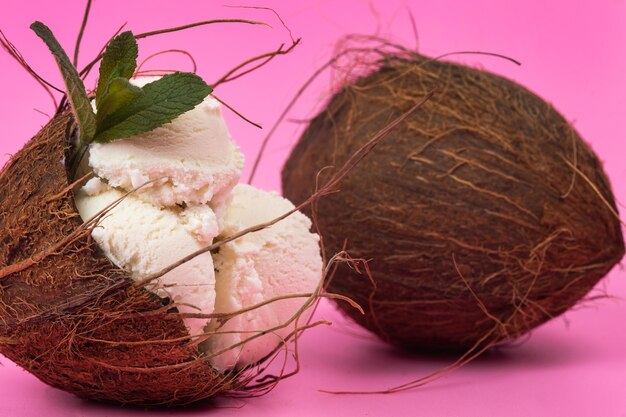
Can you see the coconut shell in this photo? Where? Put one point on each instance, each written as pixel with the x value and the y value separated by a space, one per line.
pixel 482 216
pixel 67 314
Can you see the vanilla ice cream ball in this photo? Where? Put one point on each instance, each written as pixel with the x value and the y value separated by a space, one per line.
pixel 193 158
pixel 143 239
pixel 276 261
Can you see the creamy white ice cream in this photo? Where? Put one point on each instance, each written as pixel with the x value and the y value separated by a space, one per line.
pixel 194 159
pixel 143 239
pixel 282 259
pixel 196 165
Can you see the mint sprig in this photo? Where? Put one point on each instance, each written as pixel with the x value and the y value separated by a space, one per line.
pixel 118 61
pixel 123 109
pixel 162 101
pixel 119 93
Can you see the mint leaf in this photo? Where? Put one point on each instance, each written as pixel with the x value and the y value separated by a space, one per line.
pixel 76 93
pixel 119 60
pixel 120 93
pixel 163 100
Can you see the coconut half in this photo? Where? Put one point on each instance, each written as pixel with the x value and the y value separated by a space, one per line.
pixel 72 318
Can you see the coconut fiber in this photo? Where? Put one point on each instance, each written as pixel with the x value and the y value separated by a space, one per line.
pixel 482 216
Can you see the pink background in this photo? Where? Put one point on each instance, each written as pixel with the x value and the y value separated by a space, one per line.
pixel 573 55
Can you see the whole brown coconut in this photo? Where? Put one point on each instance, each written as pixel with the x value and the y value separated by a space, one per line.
pixel 67 314
pixel 484 214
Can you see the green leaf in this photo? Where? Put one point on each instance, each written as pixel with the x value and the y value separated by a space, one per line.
pixel 120 93
pixel 76 93
pixel 119 60
pixel 163 100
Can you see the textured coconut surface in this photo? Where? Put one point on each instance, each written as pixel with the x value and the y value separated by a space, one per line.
pixel 483 215
pixel 572 56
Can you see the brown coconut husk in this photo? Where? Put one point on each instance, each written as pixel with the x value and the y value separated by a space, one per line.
pixel 78 323
pixel 483 215
pixel 68 315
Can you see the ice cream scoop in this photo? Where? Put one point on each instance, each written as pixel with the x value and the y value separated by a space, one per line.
pixel 193 159
pixel 278 260
pixel 143 238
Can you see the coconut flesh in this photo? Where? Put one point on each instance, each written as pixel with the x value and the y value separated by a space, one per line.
pixel 482 216
pixel 82 321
